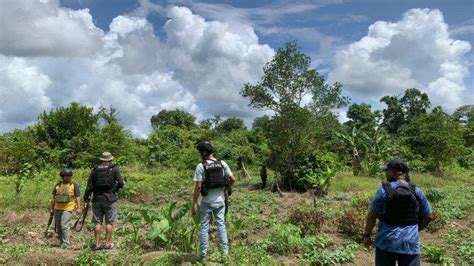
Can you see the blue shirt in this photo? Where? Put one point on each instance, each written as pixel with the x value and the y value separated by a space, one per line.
pixel 398 239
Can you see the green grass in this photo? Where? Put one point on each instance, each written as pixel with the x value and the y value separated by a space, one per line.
pixel 254 215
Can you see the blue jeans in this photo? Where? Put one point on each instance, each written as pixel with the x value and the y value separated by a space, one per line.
pixel 385 258
pixel 205 211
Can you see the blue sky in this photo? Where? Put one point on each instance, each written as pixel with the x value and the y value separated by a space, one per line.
pixel 144 55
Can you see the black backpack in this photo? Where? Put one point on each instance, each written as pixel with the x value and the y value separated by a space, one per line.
pixel 214 176
pixel 103 179
pixel 401 205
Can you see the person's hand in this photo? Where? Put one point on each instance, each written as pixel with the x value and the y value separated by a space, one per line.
pixel 367 240
pixel 51 210
pixel 194 209
pixel 78 210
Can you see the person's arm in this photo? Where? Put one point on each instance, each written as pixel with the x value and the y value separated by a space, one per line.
pixel 77 198
pixel 369 225
pixel 78 205
pixel 425 211
pixel 425 221
pixel 119 179
pixel 197 191
pixel 51 207
pixel 89 189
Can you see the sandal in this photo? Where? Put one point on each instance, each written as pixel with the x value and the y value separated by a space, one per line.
pixel 98 248
pixel 109 247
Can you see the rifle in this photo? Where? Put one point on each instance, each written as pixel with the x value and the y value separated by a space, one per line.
pixel 50 220
pixel 79 221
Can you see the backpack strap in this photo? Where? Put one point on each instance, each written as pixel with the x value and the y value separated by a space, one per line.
pixel 412 188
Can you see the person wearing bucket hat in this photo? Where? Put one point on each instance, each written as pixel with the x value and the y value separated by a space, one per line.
pixel 103 184
pixel 402 210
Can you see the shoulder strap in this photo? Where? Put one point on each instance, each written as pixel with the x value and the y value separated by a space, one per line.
pixel 413 191
pixel 388 189
pixel 56 187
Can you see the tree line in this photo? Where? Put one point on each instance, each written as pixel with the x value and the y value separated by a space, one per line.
pixel 303 141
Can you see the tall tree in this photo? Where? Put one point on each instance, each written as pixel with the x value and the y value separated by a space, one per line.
pixel 393 115
pixel 231 124
pixel 436 137
pixel 286 81
pixel 415 103
pixel 177 118
pixel 361 115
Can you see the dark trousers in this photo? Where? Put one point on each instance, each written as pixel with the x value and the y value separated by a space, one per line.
pixel 385 258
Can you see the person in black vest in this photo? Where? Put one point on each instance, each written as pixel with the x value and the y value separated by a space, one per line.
pixel 104 183
pixel 403 211
pixel 212 178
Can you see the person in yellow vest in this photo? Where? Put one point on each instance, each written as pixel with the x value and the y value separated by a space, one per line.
pixel 66 199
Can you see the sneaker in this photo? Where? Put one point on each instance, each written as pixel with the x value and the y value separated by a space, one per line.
pixel 63 246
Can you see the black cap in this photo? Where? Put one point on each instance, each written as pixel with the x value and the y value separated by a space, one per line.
pixel 397 165
pixel 205 146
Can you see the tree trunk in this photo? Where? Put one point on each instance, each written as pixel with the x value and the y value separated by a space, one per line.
pixel 355 162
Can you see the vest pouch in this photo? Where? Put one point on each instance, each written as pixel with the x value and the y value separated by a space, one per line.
pixel 62 197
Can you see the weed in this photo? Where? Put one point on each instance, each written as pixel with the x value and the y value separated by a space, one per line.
pixel 434 253
pixel 284 239
pixel 315 256
pixel 88 257
pixel 13 252
pixel 309 220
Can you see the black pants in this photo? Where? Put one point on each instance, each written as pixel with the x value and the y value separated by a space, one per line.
pixel 385 258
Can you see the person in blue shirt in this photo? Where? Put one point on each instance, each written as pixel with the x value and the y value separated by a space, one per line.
pixel 402 210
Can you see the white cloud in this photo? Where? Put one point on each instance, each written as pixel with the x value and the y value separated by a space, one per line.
pixel 200 67
pixel 23 92
pixel 416 51
pixel 38 28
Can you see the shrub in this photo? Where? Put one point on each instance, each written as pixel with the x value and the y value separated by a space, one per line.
pixel 309 220
pixel 314 171
pixel 352 222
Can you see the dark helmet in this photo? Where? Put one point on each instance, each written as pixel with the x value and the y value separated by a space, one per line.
pixel 205 146
pixel 65 172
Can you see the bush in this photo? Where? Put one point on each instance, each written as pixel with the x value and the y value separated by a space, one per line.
pixel 309 220
pixel 435 195
pixel 314 171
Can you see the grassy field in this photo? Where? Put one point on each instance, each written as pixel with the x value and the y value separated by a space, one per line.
pixel 156 227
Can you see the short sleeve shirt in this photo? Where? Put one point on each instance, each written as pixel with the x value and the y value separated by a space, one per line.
pixel 398 239
pixel 215 195
pixel 73 190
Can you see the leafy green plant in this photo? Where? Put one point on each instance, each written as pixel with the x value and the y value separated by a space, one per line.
pixel 25 172
pixel 284 239
pixel 435 195
pixel 87 257
pixel 316 256
pixel 434 253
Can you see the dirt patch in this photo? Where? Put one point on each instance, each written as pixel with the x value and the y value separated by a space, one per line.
pixel 148 258
pixel 53 256
pixel 31 217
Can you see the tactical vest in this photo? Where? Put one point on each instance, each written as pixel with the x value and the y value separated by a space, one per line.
pixel 214 176
pixel 103 179
pixel 63 194
pixel 401 205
